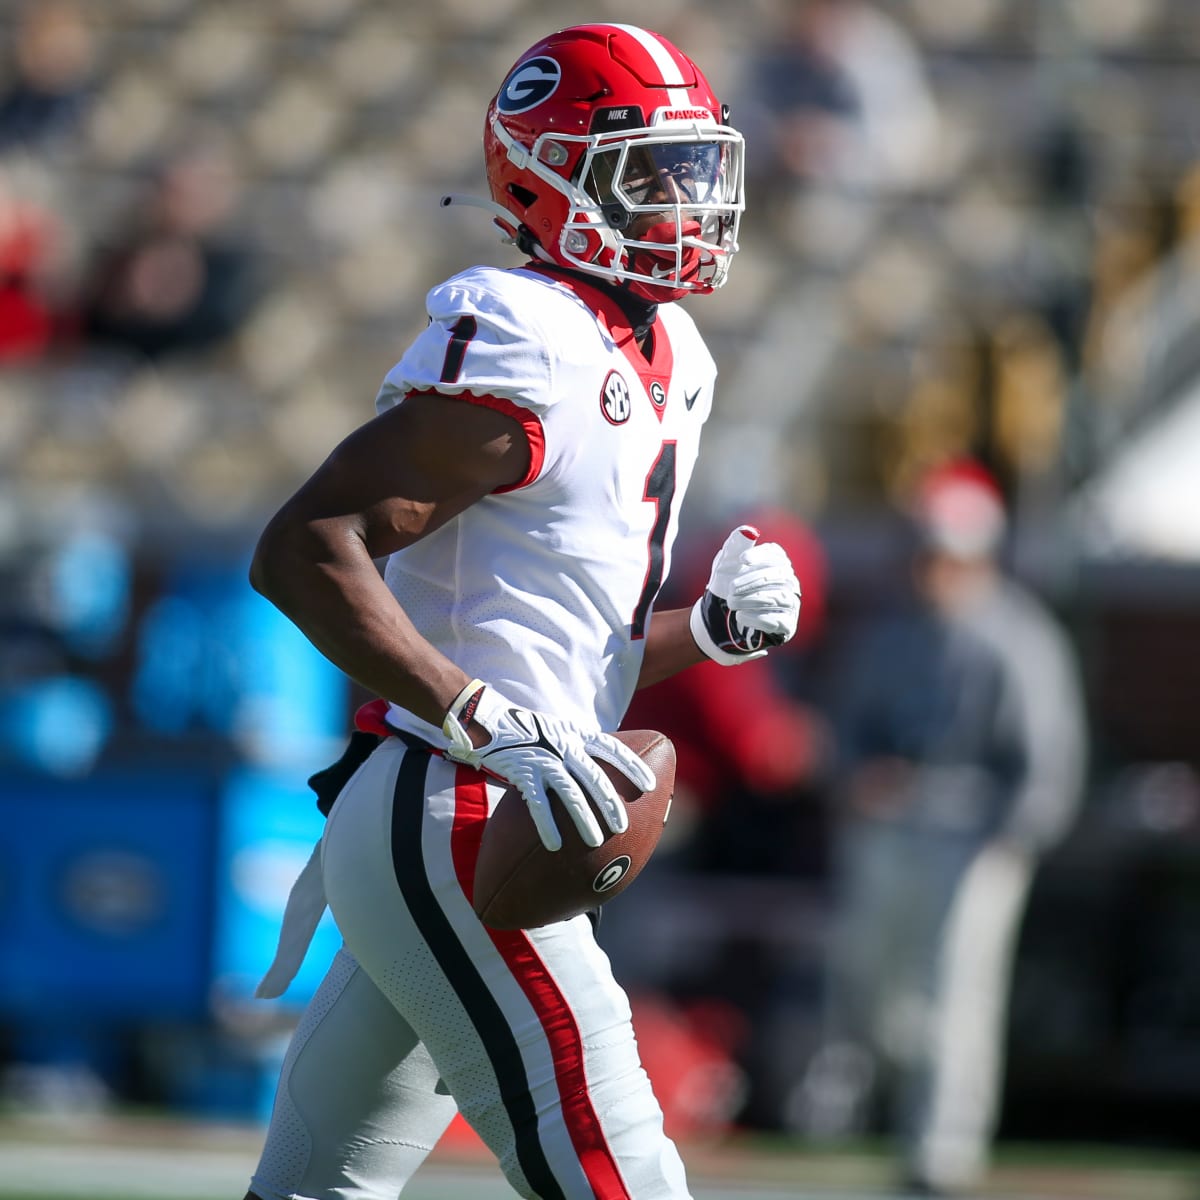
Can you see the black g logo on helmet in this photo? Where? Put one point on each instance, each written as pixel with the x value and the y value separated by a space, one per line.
pixel 530 83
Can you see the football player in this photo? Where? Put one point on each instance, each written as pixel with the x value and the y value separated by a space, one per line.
pixel 523 477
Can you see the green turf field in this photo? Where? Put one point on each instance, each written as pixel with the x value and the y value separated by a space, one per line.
pixel 139 1158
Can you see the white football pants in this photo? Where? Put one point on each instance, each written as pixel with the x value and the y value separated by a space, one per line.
pixel 426 1011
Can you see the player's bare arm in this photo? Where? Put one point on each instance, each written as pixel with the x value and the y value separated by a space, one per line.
pixel 752 602
pixel 670 647
pixel 385 486
pixel 390 483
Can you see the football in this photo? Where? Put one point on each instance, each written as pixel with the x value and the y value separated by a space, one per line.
pixel 519 884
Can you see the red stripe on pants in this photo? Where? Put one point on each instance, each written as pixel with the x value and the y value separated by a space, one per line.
pixel 543 993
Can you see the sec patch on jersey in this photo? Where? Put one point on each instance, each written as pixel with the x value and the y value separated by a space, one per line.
pixel 519 884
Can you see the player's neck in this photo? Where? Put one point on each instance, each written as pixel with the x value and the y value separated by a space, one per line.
pixel 638 312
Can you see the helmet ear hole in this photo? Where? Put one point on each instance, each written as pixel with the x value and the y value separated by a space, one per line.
pixel 523 196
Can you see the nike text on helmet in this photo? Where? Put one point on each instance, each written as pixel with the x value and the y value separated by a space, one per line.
pixel 607 151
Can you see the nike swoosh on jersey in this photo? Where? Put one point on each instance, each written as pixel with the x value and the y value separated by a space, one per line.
pixel 690 400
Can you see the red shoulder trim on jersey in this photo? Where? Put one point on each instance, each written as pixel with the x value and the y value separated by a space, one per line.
pixel 535 435
pixel 530 422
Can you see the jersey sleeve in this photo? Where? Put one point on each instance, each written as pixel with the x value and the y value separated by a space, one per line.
pixel 479 343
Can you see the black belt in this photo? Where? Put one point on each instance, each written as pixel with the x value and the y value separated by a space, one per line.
pixel 329 781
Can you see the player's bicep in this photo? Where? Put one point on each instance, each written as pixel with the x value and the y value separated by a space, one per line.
pixel 413 468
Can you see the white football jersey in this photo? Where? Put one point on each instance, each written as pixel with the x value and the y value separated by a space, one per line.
pixel 545 589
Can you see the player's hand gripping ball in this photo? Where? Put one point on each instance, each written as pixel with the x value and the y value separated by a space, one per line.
pixel 519 884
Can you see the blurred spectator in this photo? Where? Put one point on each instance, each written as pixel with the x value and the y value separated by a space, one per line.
pixel 961 760
pixel 840 90
pixel 29 237
pixel 746 747
pixel 49 73
pixel 805 101
pixel 178 277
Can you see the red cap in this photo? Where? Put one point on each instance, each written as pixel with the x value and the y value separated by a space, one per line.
pixel 960 510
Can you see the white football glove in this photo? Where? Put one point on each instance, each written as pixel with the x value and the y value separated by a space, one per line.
pixel 539 754
pixel 752 600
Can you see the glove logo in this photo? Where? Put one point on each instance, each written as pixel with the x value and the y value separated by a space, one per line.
pixel 615 399
pixel 612 874
pixel 528 728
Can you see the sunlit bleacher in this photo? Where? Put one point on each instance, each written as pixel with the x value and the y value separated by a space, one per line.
pixel 346 119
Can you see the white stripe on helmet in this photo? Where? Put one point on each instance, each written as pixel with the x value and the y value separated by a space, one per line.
pixel 674 78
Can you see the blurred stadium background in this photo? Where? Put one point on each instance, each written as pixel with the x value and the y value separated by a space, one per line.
pixel 217 225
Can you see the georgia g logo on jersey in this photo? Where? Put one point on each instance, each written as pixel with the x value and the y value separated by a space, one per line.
pixel 615 400
pixel 529 84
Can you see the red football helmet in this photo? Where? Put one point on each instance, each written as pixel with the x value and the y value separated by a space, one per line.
pixel 607 152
